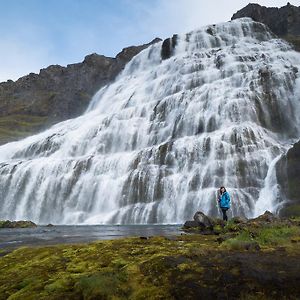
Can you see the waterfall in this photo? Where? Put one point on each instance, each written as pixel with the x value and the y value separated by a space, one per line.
pixel 156 144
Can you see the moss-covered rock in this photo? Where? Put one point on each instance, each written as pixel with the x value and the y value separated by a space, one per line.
pixel 16 224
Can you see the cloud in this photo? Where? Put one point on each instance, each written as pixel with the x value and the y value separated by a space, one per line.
pixel 48 36
pixel 23 51
pixel 180 16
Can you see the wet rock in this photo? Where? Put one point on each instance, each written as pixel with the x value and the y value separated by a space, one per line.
pixel 203 220
pixel 288 175
pixel 49 225
pixel 17 224
pixel 201 223
pixel 168 47
pixel 190 224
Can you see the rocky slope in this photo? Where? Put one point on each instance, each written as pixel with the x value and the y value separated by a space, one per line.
pixel 57 93
pixel 284 21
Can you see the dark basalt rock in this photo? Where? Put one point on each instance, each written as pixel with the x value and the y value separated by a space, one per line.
pixel 288 175
pixel 202 224
pixel 284 21
pixel 168 47
pixel 203 220
pixel 57 93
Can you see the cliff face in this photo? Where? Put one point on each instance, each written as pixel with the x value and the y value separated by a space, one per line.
pixel 284 21
pixel 288 174
pixel 57 93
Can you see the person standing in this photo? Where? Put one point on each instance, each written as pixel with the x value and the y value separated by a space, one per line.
pixel 224 201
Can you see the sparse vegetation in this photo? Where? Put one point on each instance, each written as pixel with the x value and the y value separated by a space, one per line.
pixel 242 260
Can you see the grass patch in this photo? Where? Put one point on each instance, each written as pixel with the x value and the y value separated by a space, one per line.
pixel 15 127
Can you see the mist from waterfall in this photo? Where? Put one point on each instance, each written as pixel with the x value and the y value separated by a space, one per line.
pixel 155 145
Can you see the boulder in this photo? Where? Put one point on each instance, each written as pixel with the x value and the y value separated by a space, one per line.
pixel 190 224
pixel 203 220
pixel 201 223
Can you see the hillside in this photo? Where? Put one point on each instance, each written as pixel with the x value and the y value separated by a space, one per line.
pixel 36 101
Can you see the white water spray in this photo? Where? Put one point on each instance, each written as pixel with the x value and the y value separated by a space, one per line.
pixel 154 146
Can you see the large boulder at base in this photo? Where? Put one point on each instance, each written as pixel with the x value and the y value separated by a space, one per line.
pixel 190 224
pixel 201 223
pixel 203 220
pixel 17 224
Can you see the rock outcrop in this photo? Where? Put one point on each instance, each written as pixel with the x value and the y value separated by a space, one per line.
pixel 17 224
pixel 284 21
pixel 288 175
pixel 57 93
pixel 204 224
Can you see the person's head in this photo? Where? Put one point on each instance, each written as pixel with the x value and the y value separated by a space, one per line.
pixel 222 189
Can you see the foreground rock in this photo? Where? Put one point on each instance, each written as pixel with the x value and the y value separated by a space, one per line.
pixel 57 93
pixel 284 21
pixel 288 175
pixel 206 225
pixel 17 224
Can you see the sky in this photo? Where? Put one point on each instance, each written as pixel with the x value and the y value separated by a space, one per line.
pixel 37 33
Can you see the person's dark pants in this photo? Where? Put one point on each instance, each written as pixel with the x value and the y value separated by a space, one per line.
pixel 224 210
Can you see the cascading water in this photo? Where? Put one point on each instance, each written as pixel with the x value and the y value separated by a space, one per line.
pixel 154 146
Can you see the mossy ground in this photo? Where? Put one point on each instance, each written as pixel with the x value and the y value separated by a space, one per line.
pixel 189 266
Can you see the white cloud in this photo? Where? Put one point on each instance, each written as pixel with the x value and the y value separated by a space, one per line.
pixel 33 48
pixel 181 16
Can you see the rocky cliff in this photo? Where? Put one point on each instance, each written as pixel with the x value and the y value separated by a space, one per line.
pixel 284 21
pixel 288 174
pixel 57 93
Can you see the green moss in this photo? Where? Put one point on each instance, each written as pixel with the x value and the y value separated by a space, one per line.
pixel 185 267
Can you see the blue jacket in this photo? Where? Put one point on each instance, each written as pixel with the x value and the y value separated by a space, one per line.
pixel 224 200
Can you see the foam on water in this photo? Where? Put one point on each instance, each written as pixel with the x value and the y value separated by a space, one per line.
pixel 154 146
